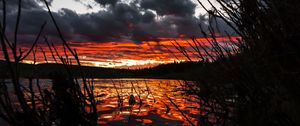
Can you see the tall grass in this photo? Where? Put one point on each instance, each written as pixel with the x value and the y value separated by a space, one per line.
pixel 68 102
pixel 257 84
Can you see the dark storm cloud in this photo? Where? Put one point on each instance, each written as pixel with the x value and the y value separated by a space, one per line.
pixel 136 21
pixel 109 25
pixel 107 2
pixel 32 18
pixel 12 5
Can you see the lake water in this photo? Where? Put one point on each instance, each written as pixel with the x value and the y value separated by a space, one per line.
pixel 159 99
pixel 157 102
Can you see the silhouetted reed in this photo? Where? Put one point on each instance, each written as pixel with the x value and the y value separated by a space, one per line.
pixel 67 102
pixel 257 81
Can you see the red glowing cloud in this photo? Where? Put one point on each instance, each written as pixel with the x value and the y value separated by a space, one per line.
pixel 123 54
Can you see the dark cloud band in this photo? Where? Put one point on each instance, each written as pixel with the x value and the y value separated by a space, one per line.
pixel 138 20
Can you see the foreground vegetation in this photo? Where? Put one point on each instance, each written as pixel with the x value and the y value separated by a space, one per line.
pixel 258 84
pixel 68 102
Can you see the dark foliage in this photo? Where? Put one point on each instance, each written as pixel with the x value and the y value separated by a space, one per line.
pixel 259 84
pixel 67 102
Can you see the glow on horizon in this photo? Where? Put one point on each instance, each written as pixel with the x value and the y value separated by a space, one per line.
pixel 123 63
pixel 123 54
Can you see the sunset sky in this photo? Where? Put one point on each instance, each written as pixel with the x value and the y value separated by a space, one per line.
pixel 112 33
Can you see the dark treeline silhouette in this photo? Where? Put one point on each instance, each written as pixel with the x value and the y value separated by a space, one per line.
pixel 46 70
pixel 176 70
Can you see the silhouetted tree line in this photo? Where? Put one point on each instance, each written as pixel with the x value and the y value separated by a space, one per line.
pixel 176 70
pixel 46 71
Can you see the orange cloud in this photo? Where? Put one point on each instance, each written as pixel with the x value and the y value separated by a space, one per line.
pixel 123 54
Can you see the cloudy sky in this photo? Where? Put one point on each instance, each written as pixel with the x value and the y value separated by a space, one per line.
pixel 120 29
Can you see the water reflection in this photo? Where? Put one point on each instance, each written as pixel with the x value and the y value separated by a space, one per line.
pixel 157 102
pixel 153 101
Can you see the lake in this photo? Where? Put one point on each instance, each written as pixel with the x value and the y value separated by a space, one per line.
pixel 137 102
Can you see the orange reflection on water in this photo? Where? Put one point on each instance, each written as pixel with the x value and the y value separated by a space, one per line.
pixel 152 105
